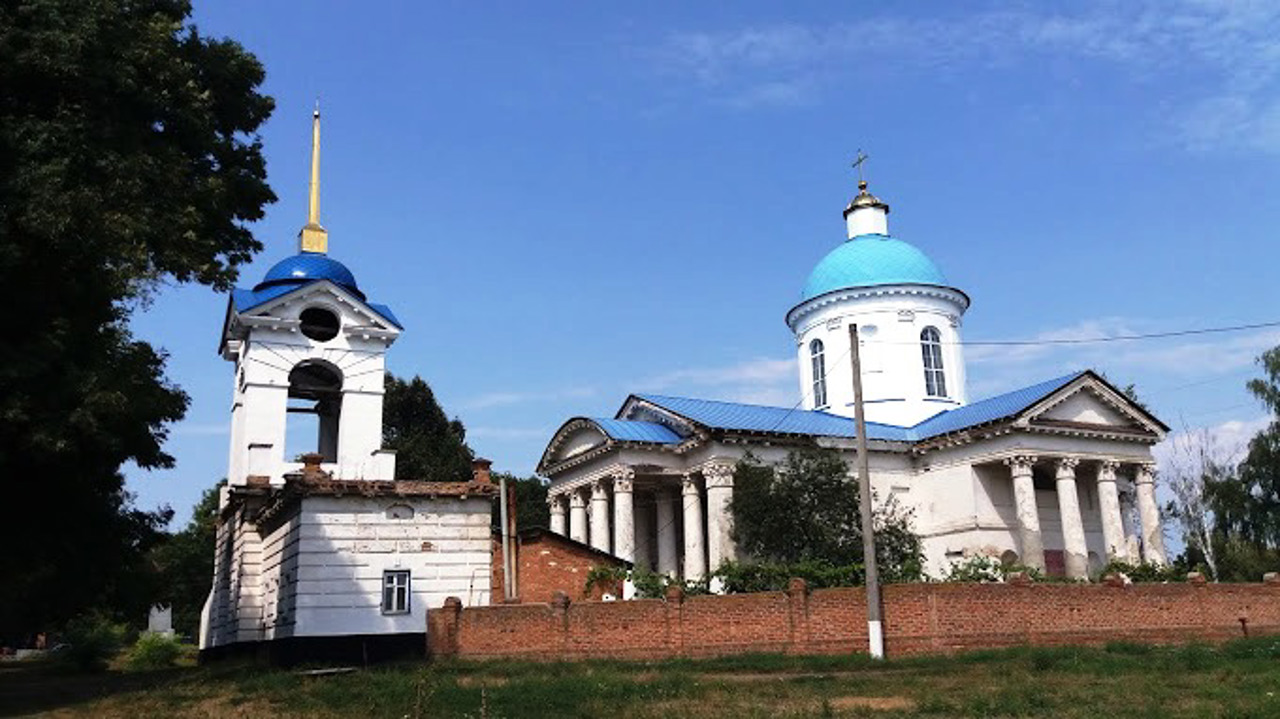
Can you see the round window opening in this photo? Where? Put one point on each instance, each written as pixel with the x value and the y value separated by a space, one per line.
pixel 319 324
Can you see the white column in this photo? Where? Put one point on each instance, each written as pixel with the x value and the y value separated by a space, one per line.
pixel 577 516
pixel 665 514
pixel 1030 539
pixel 1076 553
pixel 1152 533
pixel 695 556
pixel 720 546
pixel 556 503
pixel 624 517
pixel 1109 504
pixel 600 515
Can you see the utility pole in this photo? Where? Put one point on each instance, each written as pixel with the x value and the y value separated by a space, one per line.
pixel 875 627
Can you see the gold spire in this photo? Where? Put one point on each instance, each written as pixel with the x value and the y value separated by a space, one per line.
pixel 313 237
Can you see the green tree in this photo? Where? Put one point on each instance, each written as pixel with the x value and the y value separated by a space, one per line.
pixel 1254 514
pixel 806 509
pixel 183 563
pixel 128 157
pixel 530 500
pixel 429 446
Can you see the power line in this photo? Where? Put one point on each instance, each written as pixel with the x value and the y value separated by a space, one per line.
pixel 1120 338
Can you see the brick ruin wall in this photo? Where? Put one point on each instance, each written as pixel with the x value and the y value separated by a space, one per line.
pixel 918 618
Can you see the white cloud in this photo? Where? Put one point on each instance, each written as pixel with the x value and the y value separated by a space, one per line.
pixel 202 429
pixel 1232 49
pixel 761 380
pixel 1193 355
pixel 508 433
pixel 490 400
pixel 1227 442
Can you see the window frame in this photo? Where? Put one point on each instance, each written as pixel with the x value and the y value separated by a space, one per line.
pixel 818 370
pixel 396 593
pixel 935 371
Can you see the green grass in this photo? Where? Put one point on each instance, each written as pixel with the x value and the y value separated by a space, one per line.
pixel 1122 679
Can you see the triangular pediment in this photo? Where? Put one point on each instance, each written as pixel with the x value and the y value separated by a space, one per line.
pixel 636 409
pixel 1090 404
pixel 353 310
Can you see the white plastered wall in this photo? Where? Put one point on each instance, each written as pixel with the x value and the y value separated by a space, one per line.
pixel 271 347
pixel 346 543
pixel 890 320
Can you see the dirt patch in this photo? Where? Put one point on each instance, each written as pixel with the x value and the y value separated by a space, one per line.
pixel 880 703
pixel 482 681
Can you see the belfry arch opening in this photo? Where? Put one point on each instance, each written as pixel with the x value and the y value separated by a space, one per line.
pixel 314 410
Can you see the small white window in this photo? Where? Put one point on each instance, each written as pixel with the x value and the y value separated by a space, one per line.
pixel 819 374
pixel 935 379
pixel 395 591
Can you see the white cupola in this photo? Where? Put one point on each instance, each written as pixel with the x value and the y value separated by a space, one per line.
pixel 908 318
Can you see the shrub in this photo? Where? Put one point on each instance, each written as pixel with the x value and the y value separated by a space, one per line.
pixel 1145 572
pixel 740 577
pixel 93 640
pixel 154 651
pixel 988 569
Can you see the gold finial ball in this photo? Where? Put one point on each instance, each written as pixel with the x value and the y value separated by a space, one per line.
pixel 862 185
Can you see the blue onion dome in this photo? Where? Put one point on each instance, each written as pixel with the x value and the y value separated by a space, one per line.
pixel 309 267
pixel 871 260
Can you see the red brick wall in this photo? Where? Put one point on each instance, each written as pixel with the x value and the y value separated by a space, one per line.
pixel 546 564
pixel 919 618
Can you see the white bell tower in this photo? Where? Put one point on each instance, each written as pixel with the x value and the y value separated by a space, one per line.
pixel 306 341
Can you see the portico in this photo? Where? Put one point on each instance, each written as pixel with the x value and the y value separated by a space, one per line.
pixel 665 520
pixel 1069 474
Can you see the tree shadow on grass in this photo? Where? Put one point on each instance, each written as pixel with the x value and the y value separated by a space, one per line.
pixel 33 687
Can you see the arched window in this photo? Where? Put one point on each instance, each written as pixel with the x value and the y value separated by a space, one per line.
pixel 935 379
pixel 819 374
pixel 314 407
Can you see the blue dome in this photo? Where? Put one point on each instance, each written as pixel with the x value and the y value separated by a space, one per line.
pixel 309 267
pixel 870 260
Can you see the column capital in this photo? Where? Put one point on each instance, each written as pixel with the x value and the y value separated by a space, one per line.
pixel 577 500
pixel 1021 463
pixel 600 489
pixel 718 475
pixel 688 484
pixel 1144 473
pixel 1067 467
pixel 622 485
pixel 623 474
pixel 1107 470
pixel 555 501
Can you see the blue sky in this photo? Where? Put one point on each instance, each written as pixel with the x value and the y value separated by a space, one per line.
pixel 565 203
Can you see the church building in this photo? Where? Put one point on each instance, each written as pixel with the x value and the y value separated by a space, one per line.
pixel 1058 475
pixel 327 553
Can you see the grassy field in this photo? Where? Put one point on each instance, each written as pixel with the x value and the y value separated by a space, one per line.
pixel 1240 679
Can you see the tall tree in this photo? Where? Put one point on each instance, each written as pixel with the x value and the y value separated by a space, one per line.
pixel 128 157
pixel 807 509
pixel 530 501
pixel 429 446
pixel 183 563
pixel 1258 519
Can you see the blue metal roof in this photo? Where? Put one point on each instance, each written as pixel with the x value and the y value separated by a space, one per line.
pixel 297 271
pixel 307 267
pixel 870 260
pixel 756 418
pixel 631 431
pixel 990 409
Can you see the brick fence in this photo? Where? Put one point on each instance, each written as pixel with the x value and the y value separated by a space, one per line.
pixel 919 618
